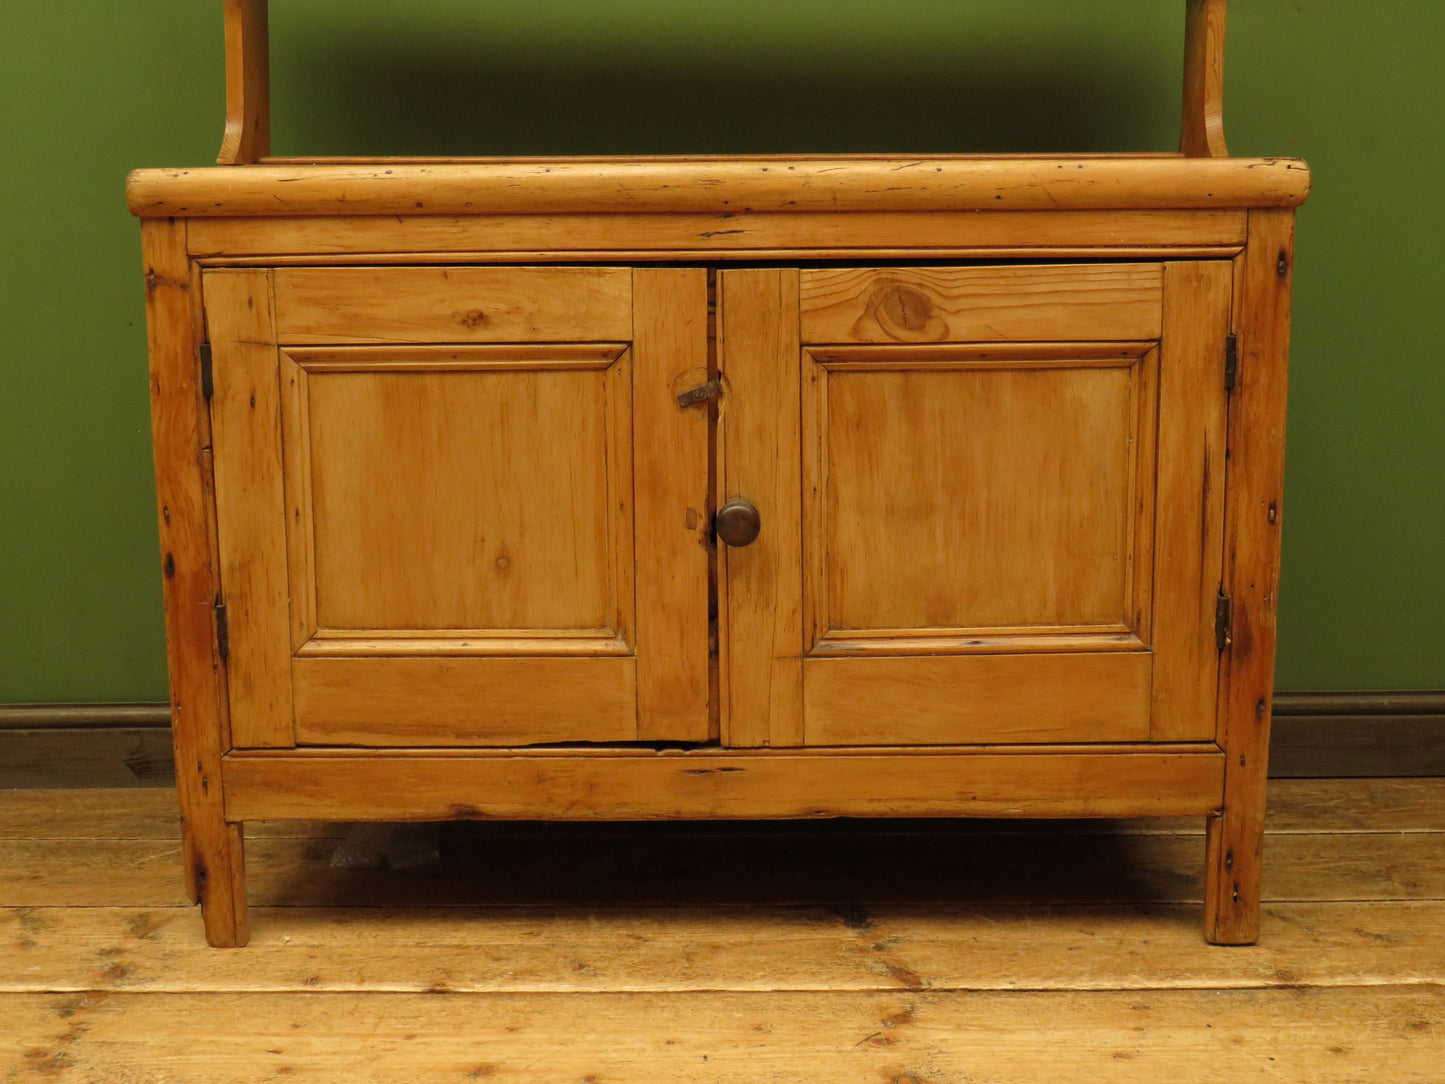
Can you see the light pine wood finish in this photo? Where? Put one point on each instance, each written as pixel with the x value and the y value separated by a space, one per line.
pixel 949 493
pixel 251 505
pixel 459 305
pixel 752 947
pixel 214 849
pixel 984 304
pixel 449 502
pixel 581 186
pixel 1201 134
pixel 510 785
pixel 511 467
pixel 1297 807
pixel 111 980
pixel 949 508
pixel 1189 533
pixel 761 585
pixel 469 450
pixel 723 1038
pixel 373 700
pixel 671 489
pixel 248 83
pixel 1252 551
pixel 552 238
pixel 1024 697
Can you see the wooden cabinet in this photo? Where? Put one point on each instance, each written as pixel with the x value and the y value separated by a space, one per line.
pixel 441 448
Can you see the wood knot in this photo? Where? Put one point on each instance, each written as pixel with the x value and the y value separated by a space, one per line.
pixel 902 307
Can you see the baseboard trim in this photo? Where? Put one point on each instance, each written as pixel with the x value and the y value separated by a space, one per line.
pixel 1315 735
pixel 1358 734
pixel 86 745
pixel 87 716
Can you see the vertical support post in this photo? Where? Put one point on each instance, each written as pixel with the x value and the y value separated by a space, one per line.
pixel 1255 482
pixel 1201 131
pixel 215 872
pixel 248 84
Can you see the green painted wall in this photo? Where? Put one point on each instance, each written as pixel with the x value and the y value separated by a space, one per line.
pixel 89 90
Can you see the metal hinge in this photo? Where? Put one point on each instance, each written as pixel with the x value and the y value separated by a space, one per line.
pixel 207 380
pixel 1223 622
pixel 1231 360
pixel 713 389
pixel 223 630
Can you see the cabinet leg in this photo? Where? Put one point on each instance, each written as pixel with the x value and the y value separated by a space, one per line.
pixel 1234 852
pixel 216 865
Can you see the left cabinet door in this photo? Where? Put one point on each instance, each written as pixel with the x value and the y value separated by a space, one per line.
pixel 461 505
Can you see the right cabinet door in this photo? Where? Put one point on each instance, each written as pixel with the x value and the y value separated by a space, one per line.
pixel 991 498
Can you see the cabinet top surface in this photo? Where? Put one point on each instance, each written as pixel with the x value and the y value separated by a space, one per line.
pixel 717 185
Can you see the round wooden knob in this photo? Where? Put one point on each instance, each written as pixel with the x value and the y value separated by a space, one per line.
pixel 738 522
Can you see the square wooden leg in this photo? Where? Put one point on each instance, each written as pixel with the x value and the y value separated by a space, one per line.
pixel 1233 859
pixel 217 865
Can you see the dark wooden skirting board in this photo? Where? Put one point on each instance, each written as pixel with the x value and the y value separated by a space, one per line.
pixel 1319 735
pixel 1315 735
pixel 86 745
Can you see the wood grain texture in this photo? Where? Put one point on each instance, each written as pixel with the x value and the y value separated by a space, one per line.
pixel 487 492
pixel 1252 547
pixel 979 304
pixel 1201 131
pixel 657 786
pixel 761 584
pixel 462 305
pixel 746 235
pixel 755 947
pixel 251 505
pixel 914 700
pixel 296 460
pixel 670 487
pixel 1188 545
pixel 84 757
pixel 729 1038
pixel 247 136
pixel 213 855
pixel 722 184
pixel 953 495
pixel 1315 807
pixel 382 701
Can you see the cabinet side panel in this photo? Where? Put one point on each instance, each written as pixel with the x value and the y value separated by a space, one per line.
pixel 213 854
pixel 1252 545
pixel 759 356
pixel 251 505
pixel 1189 535
pixel 670 450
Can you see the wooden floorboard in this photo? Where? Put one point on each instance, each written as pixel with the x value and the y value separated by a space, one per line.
pixel 905 952
pixel 533 950
pixel 1318 1035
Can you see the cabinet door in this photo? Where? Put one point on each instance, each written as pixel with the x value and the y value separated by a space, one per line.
pixel 991 502
pixel 461 506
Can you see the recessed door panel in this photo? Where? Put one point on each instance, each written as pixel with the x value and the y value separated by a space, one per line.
pixel 963 493
pixel 509 466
